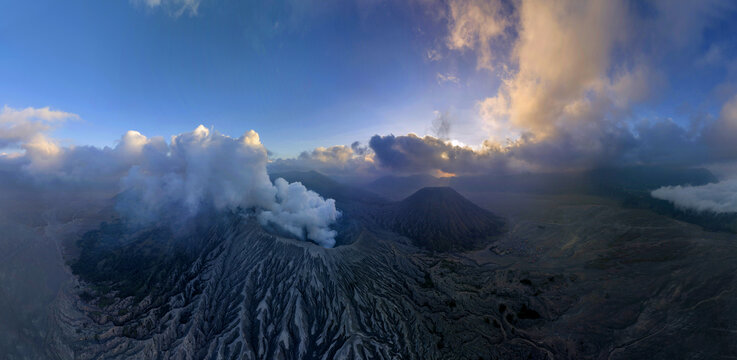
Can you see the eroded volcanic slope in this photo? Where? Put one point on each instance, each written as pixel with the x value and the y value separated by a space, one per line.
pixel 440 219
pixel 589 282
pixel 250 295
pixel 582 282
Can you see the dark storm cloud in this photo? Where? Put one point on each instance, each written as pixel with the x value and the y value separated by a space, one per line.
pixel 359 149
pixel 703 140
pixel 413 154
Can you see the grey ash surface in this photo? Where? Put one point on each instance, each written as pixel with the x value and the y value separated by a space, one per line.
pixel 571 278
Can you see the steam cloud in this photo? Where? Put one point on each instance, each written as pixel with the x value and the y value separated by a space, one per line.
pixel 162 183
pixel 204 170
pixel 198 170
pixel 302 212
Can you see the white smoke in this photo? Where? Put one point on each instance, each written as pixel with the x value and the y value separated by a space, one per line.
pixel 205 170
pixel 718 197
pixel 302 212
pixel 199 169
pixel 157 182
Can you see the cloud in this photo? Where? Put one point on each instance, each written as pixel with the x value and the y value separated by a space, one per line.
pixel 714 56
pixel 444 78
pixel 574 73
pixel 45 114
pixel 204 170
pixel 545 95
pixel 29 126
pixel 410 154
pixel 473 24
pixel 200 169
pixel 433 55
pixel 170 183
pixel 720 134
pixel 718 197
pixel 333 154
pixel 348 163
pixel 413 154
pixel 303 213
pixel 441 125
pixel 175 8
pixel 658 142
pixel 679 24
pixel 706 140
pixel 404 154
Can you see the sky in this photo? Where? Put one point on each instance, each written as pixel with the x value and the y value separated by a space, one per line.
pixel 366 88
pixel 303 74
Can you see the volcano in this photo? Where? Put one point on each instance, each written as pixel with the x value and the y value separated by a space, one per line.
pixel 441 219
pixel 229 289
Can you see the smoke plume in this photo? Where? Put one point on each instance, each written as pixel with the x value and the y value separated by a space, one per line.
pixel 302 212
pixel 170 183
pixel 204 170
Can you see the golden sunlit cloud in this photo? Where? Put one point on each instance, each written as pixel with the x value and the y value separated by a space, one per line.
pixel 442 174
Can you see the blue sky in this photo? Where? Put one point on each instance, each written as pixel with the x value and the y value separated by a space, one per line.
pixel 328 76
pixel 306 74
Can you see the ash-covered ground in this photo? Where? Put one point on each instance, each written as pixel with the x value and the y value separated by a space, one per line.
pixel 569 277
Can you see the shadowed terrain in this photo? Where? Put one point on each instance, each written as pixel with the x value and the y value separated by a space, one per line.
pixel 571 278
pixel 440 219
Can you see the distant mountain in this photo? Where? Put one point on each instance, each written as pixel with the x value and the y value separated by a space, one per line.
pixel 440 219
pixel 399 187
